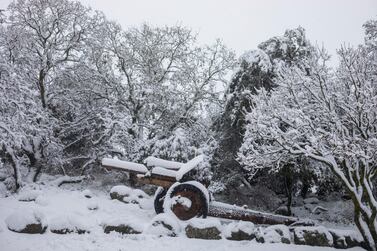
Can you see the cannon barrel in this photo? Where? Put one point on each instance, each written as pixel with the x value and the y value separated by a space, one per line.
pixel 226 211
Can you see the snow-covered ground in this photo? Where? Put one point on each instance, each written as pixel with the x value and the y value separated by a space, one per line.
pixel 70 206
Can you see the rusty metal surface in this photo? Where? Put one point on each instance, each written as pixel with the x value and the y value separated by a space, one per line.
pixel 186 213
pixel 226 211
pixel 157 180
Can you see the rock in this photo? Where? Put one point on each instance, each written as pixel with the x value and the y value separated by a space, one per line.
pixel 312 200
pixel 275 234
pixel 120 192
pixel 309 207
pixel 128 195
pixel 66 224
pixel 92 205
pixel 298 202
pixel 203 229
pixel 87 193
pixel 30 195
pixel 27 221
pixel 346 239
pixel 69 231
pixel 239 231
pixel 122 228
pixel 282 210
pixel 3 190
pixel 313 236
pixel 41 200
pixel 164 225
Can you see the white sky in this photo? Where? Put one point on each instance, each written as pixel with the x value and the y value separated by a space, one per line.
pixel 243 24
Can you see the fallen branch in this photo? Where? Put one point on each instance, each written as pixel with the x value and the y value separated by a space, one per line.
pixel 67 179
pixel 319 209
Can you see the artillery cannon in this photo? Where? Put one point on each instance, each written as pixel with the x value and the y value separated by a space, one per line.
pixel 186 197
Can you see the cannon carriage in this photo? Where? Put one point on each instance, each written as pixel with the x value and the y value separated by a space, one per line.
pixel 185 197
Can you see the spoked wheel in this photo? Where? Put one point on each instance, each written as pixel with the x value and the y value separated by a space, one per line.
pixel 188 200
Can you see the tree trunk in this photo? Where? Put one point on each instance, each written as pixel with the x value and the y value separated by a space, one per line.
pixel 16 168
pixel 41 87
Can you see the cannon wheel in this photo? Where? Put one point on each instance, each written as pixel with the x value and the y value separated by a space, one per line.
pixel 159 197
pixel 195 193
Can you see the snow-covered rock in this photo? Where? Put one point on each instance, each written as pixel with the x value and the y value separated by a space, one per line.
pixel 29 195
pixel 164 225
pixel 134 196
pixel 87 193
pixel 209 229
pixel 275 234
pixel 123 226
pixel 3 190
pixel 65 224
pixel 312 200
pixel 92 205
pixel 41 200
pixel 119 192
pixel 239 231
pixel 346 238
pixel 313 236
pixel 27 221
pixel 129 195
pixel 282 210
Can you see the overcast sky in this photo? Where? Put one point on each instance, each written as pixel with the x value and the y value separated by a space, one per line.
pixel 243 24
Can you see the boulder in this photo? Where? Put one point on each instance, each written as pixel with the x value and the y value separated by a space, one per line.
pixel 313 236
pixel 204 229
pixel 87 193
pixel 42 201
pixel 123 226
pixel 120 192
pixel 27 221
pixel 239 231
pixel 164 225
pixel 311 200
pixel 346 239
pixel 66 224
pixel 92 205
pixel 275 234
pixel 128 195
pixel 282 210
pixel 29 195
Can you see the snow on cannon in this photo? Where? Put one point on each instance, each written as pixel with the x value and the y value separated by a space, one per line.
pixel 186 197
